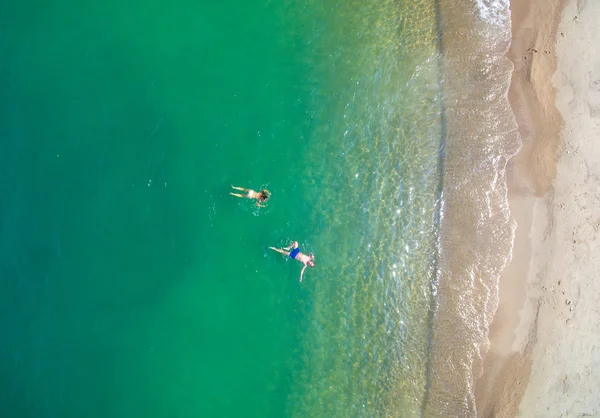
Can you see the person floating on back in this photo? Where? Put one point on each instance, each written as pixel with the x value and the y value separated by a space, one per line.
pixel 307 260
pixel 261 197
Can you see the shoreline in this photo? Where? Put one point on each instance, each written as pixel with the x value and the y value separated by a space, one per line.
pixel 529 369
pixel 530 173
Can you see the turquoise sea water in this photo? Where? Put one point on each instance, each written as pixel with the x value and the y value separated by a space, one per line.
pixel 132 284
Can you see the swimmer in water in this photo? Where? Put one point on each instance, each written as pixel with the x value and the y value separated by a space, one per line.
pixel 307 260
pixel 261 197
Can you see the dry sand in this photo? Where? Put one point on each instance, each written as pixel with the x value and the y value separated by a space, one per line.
pixel 545 340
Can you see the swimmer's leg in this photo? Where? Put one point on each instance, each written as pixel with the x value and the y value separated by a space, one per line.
pixel 237 195
pixel 239 188
pixel 292 245
pixel 280 251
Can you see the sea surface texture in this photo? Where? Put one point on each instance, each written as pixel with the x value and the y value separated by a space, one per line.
pixel 133 285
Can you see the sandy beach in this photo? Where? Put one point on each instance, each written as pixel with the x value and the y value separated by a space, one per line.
pixel 545 337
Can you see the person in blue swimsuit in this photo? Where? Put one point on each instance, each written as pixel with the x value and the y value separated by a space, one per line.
pixel 307 260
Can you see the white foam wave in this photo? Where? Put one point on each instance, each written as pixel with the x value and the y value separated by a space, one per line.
pixel 494 12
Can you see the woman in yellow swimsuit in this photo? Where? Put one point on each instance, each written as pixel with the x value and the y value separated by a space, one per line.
pixel 261 197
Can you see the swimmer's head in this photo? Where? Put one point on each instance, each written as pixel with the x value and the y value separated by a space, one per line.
pixel 264 195
pixel 311 262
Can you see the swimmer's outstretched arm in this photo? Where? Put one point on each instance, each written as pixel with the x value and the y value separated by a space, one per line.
pixel 302 272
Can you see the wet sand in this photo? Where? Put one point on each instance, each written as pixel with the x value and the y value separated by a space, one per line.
pixel 545 337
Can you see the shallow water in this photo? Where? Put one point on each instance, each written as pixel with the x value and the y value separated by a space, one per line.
pixel 132 284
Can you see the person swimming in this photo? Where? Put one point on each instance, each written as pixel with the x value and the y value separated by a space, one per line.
pixel 295 254
pixel 261 197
